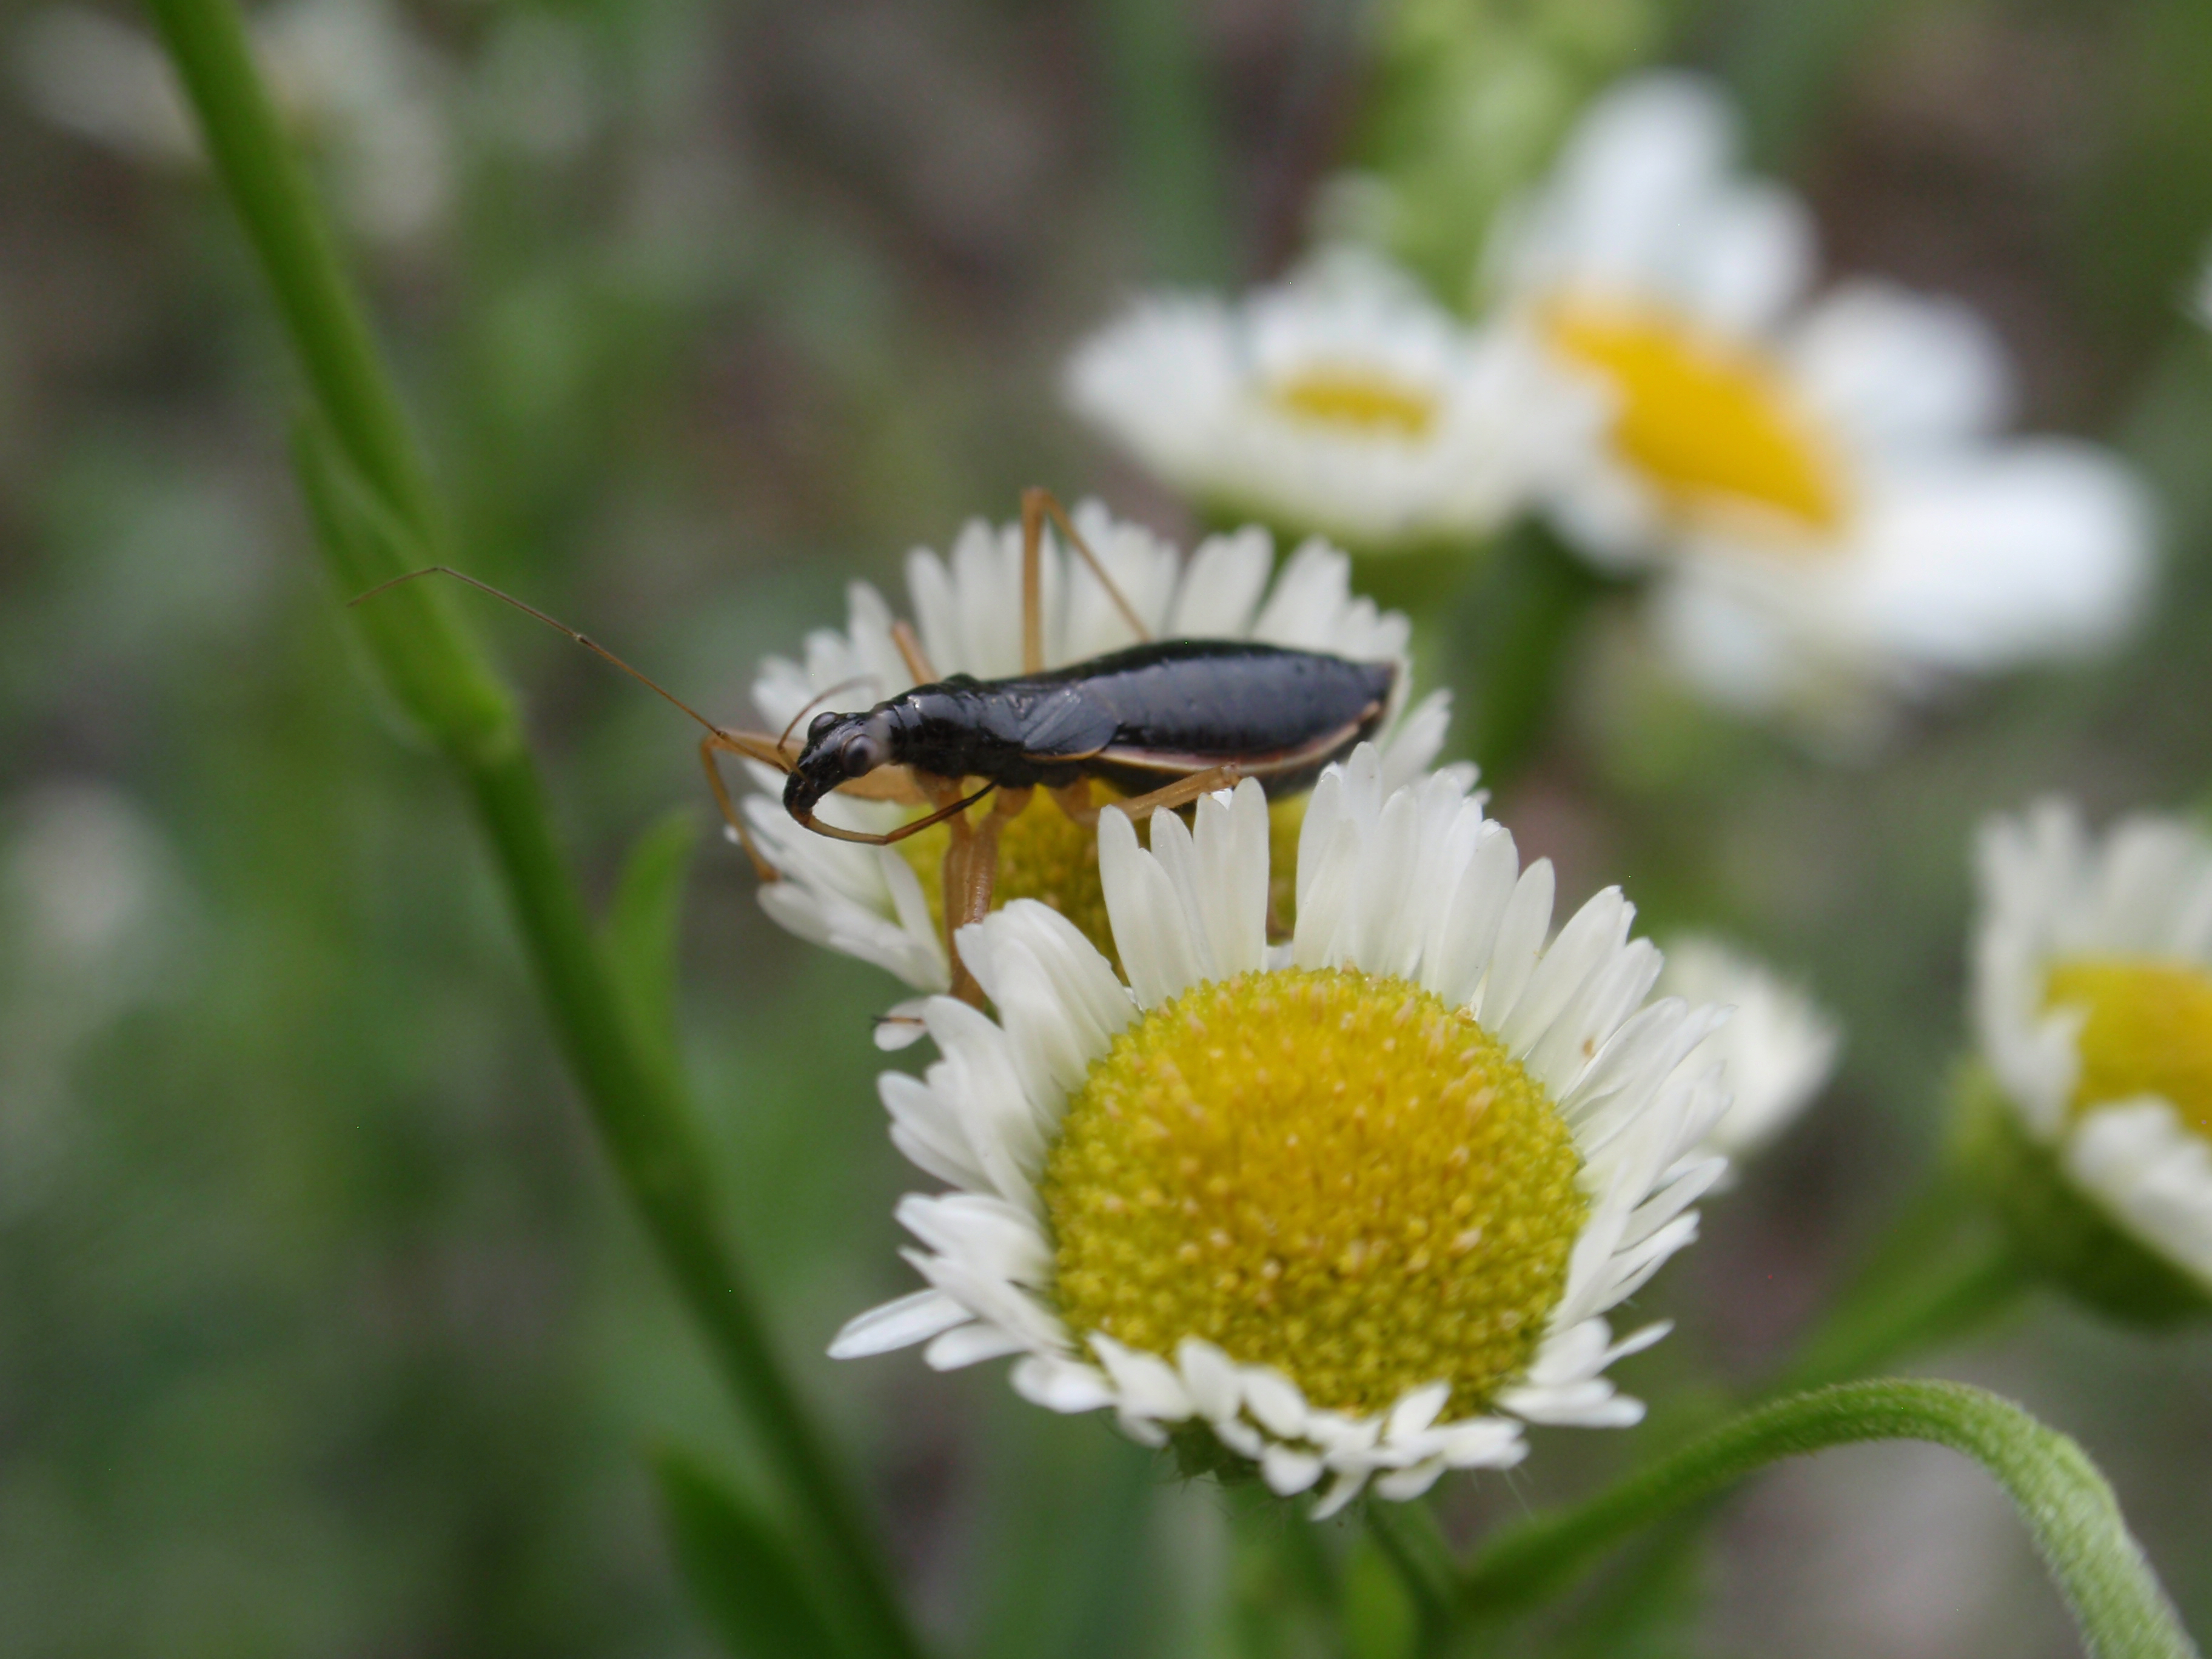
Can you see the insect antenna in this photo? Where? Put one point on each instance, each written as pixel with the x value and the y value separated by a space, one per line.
pixel 553 622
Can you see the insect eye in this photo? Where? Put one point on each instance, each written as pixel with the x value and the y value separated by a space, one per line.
pixel 820 723
pixel 862 755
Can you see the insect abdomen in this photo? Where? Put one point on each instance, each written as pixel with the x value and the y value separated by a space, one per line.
pixel 1281 714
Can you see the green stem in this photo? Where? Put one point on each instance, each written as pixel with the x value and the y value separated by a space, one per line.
pixel 373 502
pixel 1516 624
pixel 1407 1537
pixel 2071 1513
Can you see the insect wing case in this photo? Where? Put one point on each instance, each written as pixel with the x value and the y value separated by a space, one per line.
pixel 1186 705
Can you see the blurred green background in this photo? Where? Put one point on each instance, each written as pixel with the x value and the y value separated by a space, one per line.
pixel 322 1328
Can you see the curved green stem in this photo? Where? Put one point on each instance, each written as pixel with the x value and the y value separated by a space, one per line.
pixel 2070 1513
pixel 378 516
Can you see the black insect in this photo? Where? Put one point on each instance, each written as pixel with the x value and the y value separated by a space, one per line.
pixel 1163 722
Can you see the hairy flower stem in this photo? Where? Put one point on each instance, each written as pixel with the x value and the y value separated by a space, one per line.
pixel 378 515
pixel 2116 1600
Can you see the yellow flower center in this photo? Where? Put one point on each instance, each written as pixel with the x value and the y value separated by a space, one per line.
pixel 2148 1031
pixel 1709 422
pixel 1334 1174
pixel 1367 401
pixel 1045 854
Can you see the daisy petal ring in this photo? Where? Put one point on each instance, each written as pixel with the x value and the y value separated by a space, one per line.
pixel 885 904
pixel 1344 1213
pixel 1341 401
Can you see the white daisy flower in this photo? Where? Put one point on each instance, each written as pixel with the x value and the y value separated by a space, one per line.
pixel 1353 1208
pixel 1341 400
pixel 884 904
pixel 1778 1048
pixel 2092 1001
pixel 350 76
pixel 1819 478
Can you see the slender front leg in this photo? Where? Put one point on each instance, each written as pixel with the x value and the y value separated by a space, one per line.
pixel 710 745
pixel 972 871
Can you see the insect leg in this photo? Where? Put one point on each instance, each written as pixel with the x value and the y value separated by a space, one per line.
pixel 1037 506
pixel 1075 799
pixel 909 647
pixel 1181 792
pixel 838 833
pixel 971 869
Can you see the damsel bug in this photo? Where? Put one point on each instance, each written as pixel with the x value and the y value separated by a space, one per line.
pixel 1163 722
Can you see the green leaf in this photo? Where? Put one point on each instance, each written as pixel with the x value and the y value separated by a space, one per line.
pixel 641 927
pixel 744 1577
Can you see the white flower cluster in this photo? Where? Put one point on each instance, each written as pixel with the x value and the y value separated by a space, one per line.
pixel 1813 481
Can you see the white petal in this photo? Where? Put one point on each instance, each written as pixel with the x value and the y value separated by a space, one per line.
pixel 1520 941
pixel 1061 1385
pixel 1209 1376
pixel 970 1344
pixel 899 1324
pixel 1287 1472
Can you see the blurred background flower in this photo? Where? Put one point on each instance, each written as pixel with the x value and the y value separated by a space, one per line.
pixel 1818 476
pixel 1342 401
pixel 1778 1048
pixel 360 87
pixel 2092 1005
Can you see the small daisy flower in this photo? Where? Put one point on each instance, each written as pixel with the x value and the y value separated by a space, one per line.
pixel 1820 479
pixel 885 904
pixel 1777 1049
pixel 1341 400
pixel 2092 1001
pixel 1353 1209
pixel 350 76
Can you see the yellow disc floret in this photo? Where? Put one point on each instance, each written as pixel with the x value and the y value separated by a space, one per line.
pixel 1708 423
pixel 2148 1031
pixel 1331 1173
pixel 1045 854
pixel 1361 400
